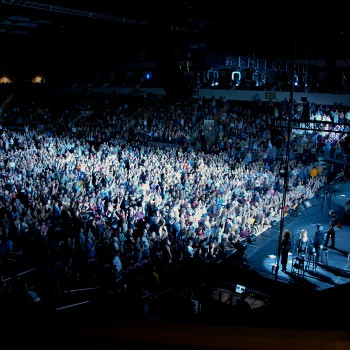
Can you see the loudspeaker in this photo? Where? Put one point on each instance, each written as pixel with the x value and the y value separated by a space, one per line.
pixel 310 203
pixel 307 204
pixel 251 238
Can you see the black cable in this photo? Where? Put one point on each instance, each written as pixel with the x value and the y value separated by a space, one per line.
pixel 286 168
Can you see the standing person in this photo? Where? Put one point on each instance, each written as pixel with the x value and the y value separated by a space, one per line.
pixel 190 249
pixel 303 243
pixel 286 245
pixel 332 227
pixel 318 240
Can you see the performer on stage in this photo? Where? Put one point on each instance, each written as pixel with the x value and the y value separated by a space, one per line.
pixel 318 240
pixel 332 229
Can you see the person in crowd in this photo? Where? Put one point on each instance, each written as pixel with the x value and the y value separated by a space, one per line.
pixel 303 243
pixel 286 245
pixel 245 232
pixel 190 249
pixel 239 243
pixel 333 226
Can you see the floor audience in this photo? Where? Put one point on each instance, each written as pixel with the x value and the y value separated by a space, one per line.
pixel 104 208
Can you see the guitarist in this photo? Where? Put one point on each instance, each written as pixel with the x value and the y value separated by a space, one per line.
pixel 332 228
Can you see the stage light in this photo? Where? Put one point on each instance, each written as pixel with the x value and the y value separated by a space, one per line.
pixel 148 75
pixel 213 77
pixel 236 77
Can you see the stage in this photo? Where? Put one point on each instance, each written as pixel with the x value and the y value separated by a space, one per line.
pixel 262 254
pixel 314 295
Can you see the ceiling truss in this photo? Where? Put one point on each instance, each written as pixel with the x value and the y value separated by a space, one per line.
pixel 74 12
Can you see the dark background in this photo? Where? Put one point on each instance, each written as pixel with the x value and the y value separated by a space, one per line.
pixel 93 32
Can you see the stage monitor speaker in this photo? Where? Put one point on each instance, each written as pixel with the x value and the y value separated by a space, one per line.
pixel 307 204
pixel 251 238
pixel 310 203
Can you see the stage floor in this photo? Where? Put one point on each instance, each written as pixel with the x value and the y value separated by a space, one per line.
pixel 262 254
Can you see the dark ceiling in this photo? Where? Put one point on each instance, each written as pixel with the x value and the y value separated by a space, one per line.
pixel 112 31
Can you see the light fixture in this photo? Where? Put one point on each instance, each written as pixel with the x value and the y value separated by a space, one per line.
pixel 213 77
pixel 256 78
pixel 296 80
pixel 236 77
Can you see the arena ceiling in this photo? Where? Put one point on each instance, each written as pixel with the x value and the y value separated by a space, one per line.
pixel 112 31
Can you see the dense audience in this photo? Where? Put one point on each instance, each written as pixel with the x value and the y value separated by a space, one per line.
pixel 102 206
